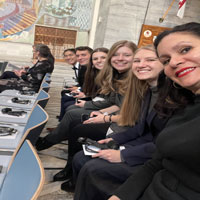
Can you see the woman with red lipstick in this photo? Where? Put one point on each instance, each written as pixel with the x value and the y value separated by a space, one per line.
pixel 174 171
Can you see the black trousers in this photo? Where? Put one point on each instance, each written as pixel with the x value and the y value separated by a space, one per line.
pixel 8 75
pixel 65 102
pixel 92 131
pixel 98 178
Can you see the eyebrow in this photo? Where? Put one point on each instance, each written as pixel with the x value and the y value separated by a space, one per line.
pixel 177 46
pixel 146 58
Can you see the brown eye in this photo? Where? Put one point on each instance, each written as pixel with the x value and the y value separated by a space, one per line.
pixel 185 50
pixel 165 62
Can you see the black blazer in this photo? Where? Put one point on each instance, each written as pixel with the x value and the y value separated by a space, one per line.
pixel 81 75
pixel 139 140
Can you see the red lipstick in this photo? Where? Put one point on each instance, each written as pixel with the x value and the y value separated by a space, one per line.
pixel 184 71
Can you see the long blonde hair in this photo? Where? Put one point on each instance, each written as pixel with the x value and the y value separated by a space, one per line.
pixel 131 106
pixel 108 78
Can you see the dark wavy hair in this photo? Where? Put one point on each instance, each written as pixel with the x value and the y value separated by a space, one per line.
pixel 172 98
pixel 45 52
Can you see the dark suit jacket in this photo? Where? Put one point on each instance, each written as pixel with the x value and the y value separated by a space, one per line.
pixel 81 75
pixel 139 140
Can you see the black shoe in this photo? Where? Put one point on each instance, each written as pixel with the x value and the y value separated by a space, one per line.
pixel 63 175
pixel 42 144
pixel 68 186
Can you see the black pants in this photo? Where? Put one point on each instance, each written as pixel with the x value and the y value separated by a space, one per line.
pixel 92 131
pixel 98 178
pixel 62 131
pixel 65 102
pixel 8 75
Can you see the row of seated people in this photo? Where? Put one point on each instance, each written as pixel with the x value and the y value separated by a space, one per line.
pixel 152 93
pixel 117 86
pixel 29 77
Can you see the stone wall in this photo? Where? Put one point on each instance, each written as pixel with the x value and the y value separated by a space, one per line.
pixel 122 19
pixel 11 51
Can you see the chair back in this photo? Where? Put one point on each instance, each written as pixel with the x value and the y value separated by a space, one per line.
pixel 42 98
pixel 25 177
pixel 45 86
pixel 47 78
pixel 35 124
pixel 3 67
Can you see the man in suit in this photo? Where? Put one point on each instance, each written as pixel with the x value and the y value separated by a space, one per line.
pixel 83 54
pixel 79 58
pixel 71 59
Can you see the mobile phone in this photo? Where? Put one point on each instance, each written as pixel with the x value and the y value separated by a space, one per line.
pixel 74 94
pixel 110 145
pixel 78 101
pixel 84 117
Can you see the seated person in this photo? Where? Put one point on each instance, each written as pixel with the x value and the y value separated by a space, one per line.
pixel 83 55
pixel 34 75
pixel 173 172
pixel 23 70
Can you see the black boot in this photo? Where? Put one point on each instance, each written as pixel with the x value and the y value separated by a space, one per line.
pixel 68 186
pixel 42 144
pixel 64 174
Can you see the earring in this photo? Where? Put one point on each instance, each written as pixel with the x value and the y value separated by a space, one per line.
pixel 176 86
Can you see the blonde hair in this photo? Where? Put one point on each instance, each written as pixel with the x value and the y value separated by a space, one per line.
pixel 108 78
pixel 131 106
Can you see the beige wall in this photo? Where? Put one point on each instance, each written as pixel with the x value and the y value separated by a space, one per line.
pixel 122 19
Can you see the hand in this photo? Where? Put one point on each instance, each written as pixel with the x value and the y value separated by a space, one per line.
pixel 114 198
pixel 105 140
pixel 96 118
pixel 80 95
pixel 16 72
pixel 95 113
pixel 19 72
pixel 80 103
pixel 110 155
